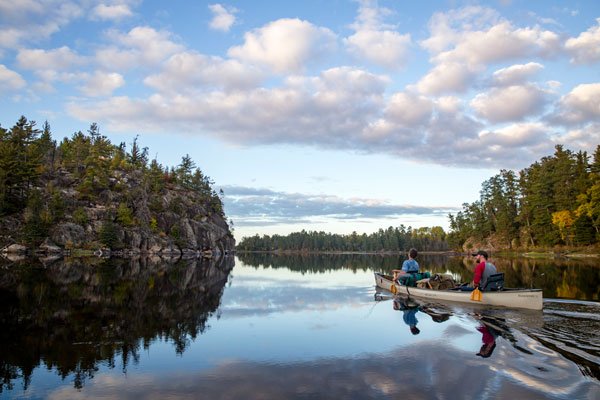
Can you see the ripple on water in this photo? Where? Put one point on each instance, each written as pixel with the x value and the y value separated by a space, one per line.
pixel 572 329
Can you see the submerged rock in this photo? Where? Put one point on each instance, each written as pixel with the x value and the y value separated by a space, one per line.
pixel 15 249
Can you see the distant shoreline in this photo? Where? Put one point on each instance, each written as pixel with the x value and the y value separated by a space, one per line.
pixel 528 254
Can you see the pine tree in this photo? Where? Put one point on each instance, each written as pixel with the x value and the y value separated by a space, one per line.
pixel 108 234
pixel 184 171
pixel 35 227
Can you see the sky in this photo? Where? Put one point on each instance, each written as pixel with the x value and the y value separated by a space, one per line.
pixel 334 116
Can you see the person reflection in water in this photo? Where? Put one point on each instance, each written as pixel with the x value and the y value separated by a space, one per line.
pixel 409 314
pixel 489 341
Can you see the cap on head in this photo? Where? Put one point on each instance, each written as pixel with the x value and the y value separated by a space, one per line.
pixel 480 253
pixel 486 350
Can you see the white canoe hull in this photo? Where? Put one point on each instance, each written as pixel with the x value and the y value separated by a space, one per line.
pixel 531 299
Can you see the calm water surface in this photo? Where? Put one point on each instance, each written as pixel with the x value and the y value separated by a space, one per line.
pixel 265 327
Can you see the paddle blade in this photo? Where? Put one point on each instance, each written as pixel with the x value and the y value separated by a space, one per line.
pixel 476 295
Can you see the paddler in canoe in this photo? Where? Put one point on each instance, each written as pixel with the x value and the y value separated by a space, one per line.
pixel 409 274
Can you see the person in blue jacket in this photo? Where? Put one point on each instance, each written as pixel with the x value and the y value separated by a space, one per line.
pixel 409 266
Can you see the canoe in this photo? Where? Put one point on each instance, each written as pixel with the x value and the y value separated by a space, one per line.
pixel 513 298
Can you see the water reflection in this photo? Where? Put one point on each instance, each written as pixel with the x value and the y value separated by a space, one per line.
pixel 73 316
pixel 409 312
pixel 564 331
pixel 279 330
pixel 489 335
pixel 438 313
pixel 564 278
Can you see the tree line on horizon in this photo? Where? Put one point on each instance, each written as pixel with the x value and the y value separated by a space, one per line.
pixel 32 162
pixel 554 201
pixel 391 239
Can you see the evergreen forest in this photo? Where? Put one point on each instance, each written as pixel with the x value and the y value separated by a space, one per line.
pixel 553 202
pixel 392 239
pixel 43 182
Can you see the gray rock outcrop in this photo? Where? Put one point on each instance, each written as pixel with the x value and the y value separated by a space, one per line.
pixel 130 217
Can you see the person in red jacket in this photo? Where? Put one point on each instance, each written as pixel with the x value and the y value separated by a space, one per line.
pixel 489 341
pixel 483 269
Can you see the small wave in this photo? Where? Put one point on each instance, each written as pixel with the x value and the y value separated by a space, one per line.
pixel 572 328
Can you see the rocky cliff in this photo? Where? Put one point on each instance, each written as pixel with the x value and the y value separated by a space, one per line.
pixel 127 215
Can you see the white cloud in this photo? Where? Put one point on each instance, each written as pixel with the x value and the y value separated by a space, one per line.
pixel 580 106
pixel 585 49
pixel 142 46
pixel 342 108
pixel 501 42
pixel 102 84
pixel 464 42
pixel 513 146
pixel 192 72
pixel 327 110
pixel 285 45
pixel 510 103
pixel 371 16
pixel 448 104
pixel 61 59
pixel 375 41
pixel 111 12
pixel 447 78
pixel 386 48
pixel 10 80
pixel 42 87
pixel 223 18
pixel 448 28
pixel 520 135
pixel 15 9
pixel 451 136
pixel 586 138
pixel 408 109
pixel 516 74
pixel 31 21
pixel 52 65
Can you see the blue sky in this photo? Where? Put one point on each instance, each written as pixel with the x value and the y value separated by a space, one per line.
pixel 338 116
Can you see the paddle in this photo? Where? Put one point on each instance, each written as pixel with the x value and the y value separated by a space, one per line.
pixel 476 294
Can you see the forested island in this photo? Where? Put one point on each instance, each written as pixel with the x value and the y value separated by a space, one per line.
pixel 86 193
pixel 553 203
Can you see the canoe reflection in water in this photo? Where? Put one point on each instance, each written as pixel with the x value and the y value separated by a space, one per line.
pixel 410 308
pixel 490 326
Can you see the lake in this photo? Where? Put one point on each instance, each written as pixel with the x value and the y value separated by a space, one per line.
pixel 290 327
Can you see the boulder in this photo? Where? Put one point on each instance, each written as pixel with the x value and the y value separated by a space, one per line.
pixel 49 247
pixel 68 232
pixel 15 249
